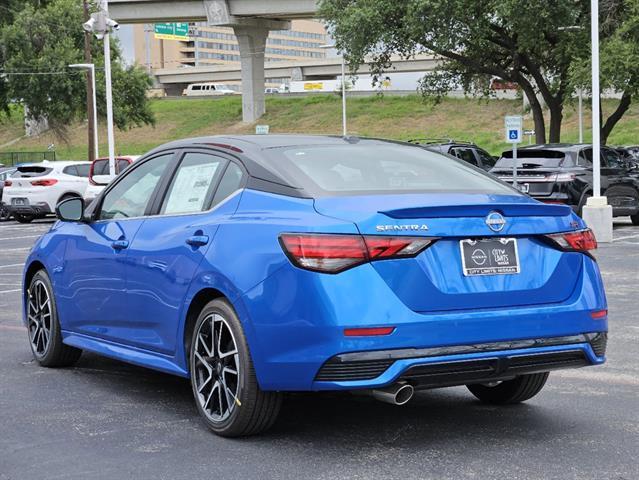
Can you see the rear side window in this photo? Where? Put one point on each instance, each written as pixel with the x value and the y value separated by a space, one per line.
pixel 611 158
pixel 378 168
pixel 192 184
pixel 32 171
pixel 83 170
pixel 231 181
pixel 101 167
pixel 486 159
pixel 465 154
pixel 70 170
pixel 122 165
pixel 533 159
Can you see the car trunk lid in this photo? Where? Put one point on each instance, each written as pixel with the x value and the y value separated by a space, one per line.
pixel 435 280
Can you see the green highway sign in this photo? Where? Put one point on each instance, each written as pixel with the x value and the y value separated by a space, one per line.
pixel 172 31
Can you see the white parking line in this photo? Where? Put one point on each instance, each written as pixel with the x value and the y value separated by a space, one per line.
pixel 19 238
pixel 14 249
pixel 13 265
pixel 10 291
pixel 625 238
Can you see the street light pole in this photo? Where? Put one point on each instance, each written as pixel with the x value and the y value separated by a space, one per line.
pixel 109 94
pixel 596 147
pixel 597 213
pixel 94 113
pixel 581 116
pixel 344 133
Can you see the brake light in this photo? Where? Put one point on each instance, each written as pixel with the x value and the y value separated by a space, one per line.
pixel 579 241
pixel 368 331
pixel 44 183
pixel 335 253
pixel 8 183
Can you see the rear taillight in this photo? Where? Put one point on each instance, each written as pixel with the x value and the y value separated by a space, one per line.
pixel 562 177
pixel 579 241
pixel 8 183
pixel 44 183
pixel 335 253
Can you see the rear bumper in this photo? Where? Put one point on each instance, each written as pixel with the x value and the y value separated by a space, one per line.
pixel 462 364
pixel 295 322
pixel 37 210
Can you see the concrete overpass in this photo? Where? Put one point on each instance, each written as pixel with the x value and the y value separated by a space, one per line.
pixel 154 11
pixel 316 69
pixel 251 21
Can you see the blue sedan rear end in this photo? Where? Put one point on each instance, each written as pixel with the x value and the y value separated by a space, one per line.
pixel 260 265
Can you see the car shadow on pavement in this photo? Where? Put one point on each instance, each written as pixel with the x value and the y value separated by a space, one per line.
pixel 452 413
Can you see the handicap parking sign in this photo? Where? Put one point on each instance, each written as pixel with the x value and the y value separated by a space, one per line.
pixel 514 125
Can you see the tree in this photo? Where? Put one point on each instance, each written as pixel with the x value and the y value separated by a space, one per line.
pixel 37 48
pixel 534 43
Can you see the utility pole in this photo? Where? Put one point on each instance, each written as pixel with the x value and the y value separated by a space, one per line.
pixel 91 114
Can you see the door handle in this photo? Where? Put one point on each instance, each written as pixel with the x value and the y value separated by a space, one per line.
pixel 120 244
pixel 197 240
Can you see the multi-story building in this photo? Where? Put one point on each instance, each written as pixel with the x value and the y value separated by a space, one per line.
pixel 210 45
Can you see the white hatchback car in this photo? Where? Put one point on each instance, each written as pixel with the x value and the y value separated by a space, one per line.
pixel 34 190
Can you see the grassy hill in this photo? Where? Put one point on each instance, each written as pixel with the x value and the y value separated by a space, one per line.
pixel 394 117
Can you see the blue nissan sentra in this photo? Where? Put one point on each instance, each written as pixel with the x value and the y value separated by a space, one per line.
pixel 259 265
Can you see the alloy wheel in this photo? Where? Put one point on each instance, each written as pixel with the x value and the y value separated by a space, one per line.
pixel 216 368
pixel 40 318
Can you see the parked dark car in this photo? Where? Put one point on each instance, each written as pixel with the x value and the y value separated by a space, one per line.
pixel 5 172
pixel 468 152
pixel 562 173
pixel 629 154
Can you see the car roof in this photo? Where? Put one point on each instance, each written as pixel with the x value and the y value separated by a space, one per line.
pixel 563 147
pixel 275 141
pixel 251 151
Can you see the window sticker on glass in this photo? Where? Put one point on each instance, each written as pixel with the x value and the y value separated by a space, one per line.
pixel 190 187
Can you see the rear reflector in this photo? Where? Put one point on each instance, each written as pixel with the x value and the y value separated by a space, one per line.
pixel 596 314
pixel 368 332
pixel 7 183
pixel 44 183
pixel 579 241
pixel 335 253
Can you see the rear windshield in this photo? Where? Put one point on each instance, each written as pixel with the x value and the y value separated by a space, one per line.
pixel 533 159
pixel 32 171
pixel 379 168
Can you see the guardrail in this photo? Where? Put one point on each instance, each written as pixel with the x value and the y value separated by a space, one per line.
pixel 16 158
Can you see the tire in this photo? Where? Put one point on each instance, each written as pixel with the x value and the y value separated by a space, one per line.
pixel 5 215
pixel 517 390
pixel 45 338
pixel 635 219
pixel 244 409
pixel 582 203
pixel 20 218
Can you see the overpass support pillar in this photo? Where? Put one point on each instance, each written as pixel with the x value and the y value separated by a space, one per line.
pixel 252 42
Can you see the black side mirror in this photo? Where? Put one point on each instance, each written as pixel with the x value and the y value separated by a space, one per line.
pixel 70 210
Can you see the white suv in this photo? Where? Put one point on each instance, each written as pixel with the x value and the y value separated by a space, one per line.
pixel 34 190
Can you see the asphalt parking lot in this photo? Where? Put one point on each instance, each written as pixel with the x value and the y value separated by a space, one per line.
pixel 104 419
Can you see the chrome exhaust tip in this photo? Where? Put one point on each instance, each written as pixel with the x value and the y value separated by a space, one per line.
pixel 397 394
